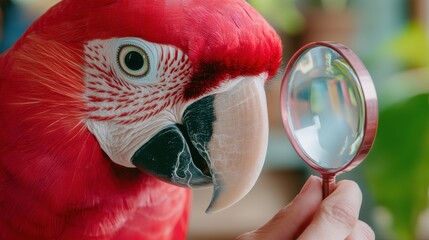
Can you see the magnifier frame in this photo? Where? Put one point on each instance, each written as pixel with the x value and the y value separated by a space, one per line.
pixel 370 105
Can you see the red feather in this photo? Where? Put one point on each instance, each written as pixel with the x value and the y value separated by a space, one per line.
pixel 223 38
pixel 55 181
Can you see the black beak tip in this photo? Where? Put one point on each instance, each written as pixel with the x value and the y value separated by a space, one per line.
pixel 169 157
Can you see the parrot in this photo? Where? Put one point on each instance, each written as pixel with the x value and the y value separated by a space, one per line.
pixel 112 111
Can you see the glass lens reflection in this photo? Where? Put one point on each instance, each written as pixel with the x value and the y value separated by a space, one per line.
pixel 326 107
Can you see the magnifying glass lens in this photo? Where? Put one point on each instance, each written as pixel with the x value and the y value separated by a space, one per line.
pixel 326 106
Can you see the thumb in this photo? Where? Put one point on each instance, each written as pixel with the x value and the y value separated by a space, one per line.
pixel 291 220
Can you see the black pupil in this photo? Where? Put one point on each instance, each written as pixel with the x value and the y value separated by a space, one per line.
pixel 134 60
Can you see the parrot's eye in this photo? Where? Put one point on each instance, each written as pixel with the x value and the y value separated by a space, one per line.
pixel 136 60
pixel 133 61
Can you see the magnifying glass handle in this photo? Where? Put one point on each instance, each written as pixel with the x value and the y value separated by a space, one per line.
pixel 327 184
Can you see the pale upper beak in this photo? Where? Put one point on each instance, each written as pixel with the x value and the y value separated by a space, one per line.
pixel 222 141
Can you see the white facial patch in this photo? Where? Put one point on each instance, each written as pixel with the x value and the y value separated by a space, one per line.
pixel 129 81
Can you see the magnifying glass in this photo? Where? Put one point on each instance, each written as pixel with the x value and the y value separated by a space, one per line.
pixel 329 109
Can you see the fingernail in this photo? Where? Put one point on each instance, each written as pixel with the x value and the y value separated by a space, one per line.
pixel 310 182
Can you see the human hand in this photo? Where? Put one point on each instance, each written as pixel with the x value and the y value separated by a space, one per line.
pixel 308 216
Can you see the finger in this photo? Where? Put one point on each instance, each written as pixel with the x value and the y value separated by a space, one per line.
pixel 337 215
pixel 361 232
pixel 289 222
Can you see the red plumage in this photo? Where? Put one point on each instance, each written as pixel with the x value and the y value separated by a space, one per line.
pixel 218 36
pixel 55 181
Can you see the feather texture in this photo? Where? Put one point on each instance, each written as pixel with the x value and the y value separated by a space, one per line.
pixel 222 38
pixel 55 180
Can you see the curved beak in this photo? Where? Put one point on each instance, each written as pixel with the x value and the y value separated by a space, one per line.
pixel 222 141
pixel 239 145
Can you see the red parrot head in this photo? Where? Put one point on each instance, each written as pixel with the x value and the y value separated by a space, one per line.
pixel 174 88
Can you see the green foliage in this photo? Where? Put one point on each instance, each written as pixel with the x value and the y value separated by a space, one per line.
pixel 398 168
pixel 411 46
pixel 282 14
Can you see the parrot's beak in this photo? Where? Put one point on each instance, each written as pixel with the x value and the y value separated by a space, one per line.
pixel 222 141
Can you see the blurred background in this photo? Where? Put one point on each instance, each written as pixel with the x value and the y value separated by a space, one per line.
pixel 391 37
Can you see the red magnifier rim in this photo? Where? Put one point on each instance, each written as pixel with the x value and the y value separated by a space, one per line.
pixel 370 105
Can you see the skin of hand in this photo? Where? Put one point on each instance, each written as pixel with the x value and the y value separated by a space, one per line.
pixel 309 216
